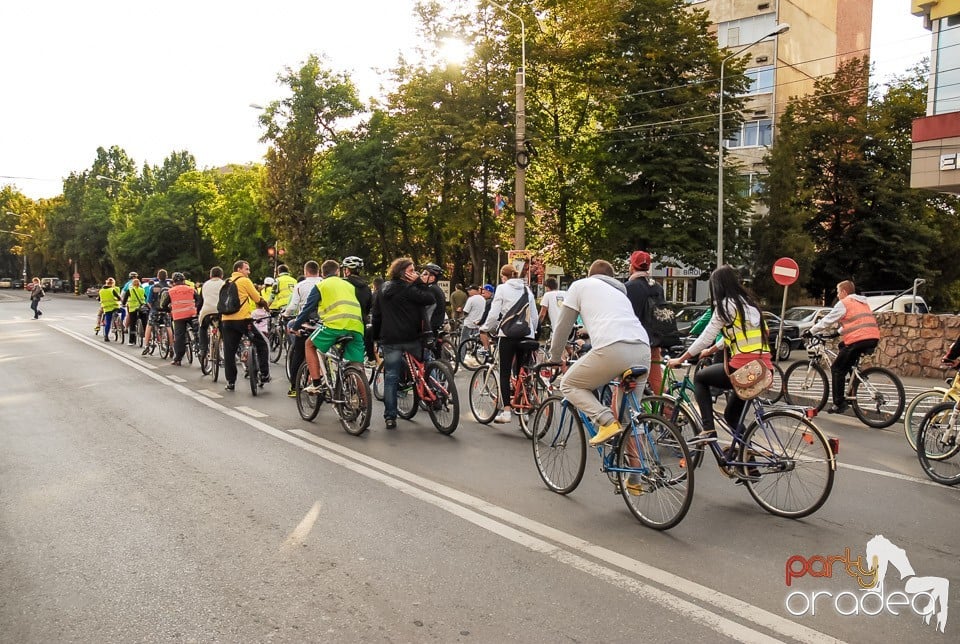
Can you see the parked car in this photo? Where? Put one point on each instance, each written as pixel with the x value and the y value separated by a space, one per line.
pixel 805 317
pixel 6 282
pixel 687 316
pixel 51 284
pixel 17 283
pixel 92 291
pixel 791 335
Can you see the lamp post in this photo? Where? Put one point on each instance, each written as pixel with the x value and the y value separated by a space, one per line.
pixel 12 232
pixel 520 153
pixel 781 28
pixel 103 178
pixel 499 264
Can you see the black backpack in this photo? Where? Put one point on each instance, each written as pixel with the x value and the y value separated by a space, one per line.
pixel 658 319
pixel 515 323
pixel 229 300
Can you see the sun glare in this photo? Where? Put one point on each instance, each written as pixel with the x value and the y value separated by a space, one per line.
pixel 454 51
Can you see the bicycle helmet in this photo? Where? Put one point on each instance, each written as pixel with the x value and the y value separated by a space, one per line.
pixel 352 262
pixel 133 274
pixel 268 281
pixel 434 270
pixel 177 277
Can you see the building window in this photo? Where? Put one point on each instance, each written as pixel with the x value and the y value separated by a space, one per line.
pixel 751 134
pixel 761 80
pixel 753 185
pixel 680 290
pixel 733 32
pixel 947 79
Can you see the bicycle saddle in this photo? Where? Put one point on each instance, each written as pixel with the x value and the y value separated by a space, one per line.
pixel 529 345
pixel 633 373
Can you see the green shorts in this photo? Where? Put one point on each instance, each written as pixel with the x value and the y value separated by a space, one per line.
pixel 323 338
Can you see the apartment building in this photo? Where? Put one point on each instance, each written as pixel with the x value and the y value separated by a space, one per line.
pixel 822 33
pixel 935 160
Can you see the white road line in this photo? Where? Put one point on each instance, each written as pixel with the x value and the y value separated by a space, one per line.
pixel 397 479
pixel 892 475
pixel 209 394
pixel 300 533
pixel 176 378
pixel 251 412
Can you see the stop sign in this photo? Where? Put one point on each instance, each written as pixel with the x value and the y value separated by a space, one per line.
pixel 785 271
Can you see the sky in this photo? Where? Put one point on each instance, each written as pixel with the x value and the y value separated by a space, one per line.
pixel 155 78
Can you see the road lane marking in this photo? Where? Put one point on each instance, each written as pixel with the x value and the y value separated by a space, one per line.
pixel 892 475
pixel 469 508
pixel 249 411
pixel 209 394
pixel 176 378
pixel 299 534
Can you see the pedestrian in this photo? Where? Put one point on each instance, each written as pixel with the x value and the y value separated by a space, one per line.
pixel 860 333
pixel 35 296
pixel 472 310
pixel 458 300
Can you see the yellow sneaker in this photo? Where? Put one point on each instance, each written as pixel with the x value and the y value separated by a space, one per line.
pixel 605 433
pixel 633 486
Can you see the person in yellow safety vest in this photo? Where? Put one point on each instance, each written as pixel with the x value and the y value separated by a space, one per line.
pixel 266 292
pixel 736 314
pixel 860 332
pixel 134 299
pixel 110 303
pixel 335 300
pixel 282 289
pixel 183 309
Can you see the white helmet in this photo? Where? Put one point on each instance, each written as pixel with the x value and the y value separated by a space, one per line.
pixel 268 281
pixel 352 262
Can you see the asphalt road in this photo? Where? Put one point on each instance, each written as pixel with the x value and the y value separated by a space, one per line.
pixel 139 501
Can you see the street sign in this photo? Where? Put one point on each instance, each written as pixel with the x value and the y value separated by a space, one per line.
pixel 785 271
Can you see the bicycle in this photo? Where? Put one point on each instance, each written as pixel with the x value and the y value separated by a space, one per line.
pixel 876 393
pixel 160 335
pixel 277 337
pixel 117 325
pixel 248 360
pixel 471 353
pixel 528 385
pixel 924 402
pixel 211 362
pixel 342 383
pixel 429 384
pixel 192 340
pixel 647 462
pixel 938 442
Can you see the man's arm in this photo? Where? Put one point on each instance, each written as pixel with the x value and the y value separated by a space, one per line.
pixel 568 317
pixel 312 305
pixel 830 319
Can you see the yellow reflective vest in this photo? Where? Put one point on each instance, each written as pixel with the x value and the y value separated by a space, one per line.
pixel 283 291
pixel 339 307
pixel 744 340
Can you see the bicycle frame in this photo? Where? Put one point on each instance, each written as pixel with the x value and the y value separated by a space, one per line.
pixel 416 369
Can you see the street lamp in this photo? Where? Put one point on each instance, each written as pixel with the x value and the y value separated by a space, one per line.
pixel 499 264
pixel 103 178
pixel 520 153
pixel 781 28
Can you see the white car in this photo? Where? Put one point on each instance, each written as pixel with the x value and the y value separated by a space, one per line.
pixel 805 317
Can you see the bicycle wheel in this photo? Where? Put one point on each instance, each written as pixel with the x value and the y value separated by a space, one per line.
pixel 191 340
pixel 654 473
pixel 141 330
pixel 163 342
pixel 559 445
pixel 484 394
pixel 805 383
pixel 216 355
pixel 791 464
pixel 776 390
pixel 116 329
pixel 307 404
pixel 938 444
pixel 357 405
pixel 878 397
pixel 253 369
pixel 680 416
pixel 536 392
pixel 445 409
pixel 917 409
pixel 470 354
pixel 376 382
pixel 448 353
pixel 276 344
pixel 408 401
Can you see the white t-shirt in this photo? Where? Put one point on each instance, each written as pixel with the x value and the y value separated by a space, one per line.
pixel 553 300
pixel 473 311
pixel 606 312
pixel 211 296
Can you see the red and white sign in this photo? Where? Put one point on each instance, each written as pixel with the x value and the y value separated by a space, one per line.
pixel 785 271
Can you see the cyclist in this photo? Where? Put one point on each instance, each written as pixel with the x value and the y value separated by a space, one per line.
pixel 335 300
pixel 860 332
pixel 472 312
pixel 952 357
pixel 551 302
pixel 110 303
pixel 736 315
pixel 282 289
pixel 297 303
pixel 210 297
pixel 619 343
pixel 352 266
pixel 398 325
pixel 153 296
pixel 430 273
pixel 129 319
pixel 135 300
pixel 183 310
pixel 511 289
pixel 233 326
pixel 267 291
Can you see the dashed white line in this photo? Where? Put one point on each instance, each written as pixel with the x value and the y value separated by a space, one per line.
pixel 251 412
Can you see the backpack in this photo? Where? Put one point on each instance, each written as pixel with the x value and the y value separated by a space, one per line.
pixel 659 320
pixel 515 323
pixel 161 297
pixel 228 302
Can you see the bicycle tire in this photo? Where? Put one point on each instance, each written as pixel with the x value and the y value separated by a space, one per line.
pixel 444 411
pixel 276 345
pixel 559 445
pixel 795 465
pixel 654 456
pixel 308 405
pixel 536 392
pixel 448 353
pixel 141 330
pixel 216 355
pixel 806 383
pixel 163 342
pixel 680 416
pixel 938 443
pixel 777 389
pixel 878 397
pixel 190 339
pixel 253 369
pixel 357 407
pixel 376 382
pixel 408 401
pixel 484 394
pixel 470 348
pixel 917 408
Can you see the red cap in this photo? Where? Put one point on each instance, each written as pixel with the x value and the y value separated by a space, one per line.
pixel 640 260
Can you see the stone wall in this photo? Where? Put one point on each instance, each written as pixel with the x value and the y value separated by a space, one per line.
pixel 911 345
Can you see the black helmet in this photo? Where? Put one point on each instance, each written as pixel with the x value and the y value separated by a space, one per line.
pixel 178 277
pixel 434 270
pixel 352 262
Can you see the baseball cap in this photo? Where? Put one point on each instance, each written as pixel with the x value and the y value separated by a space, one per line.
pixel 489 287
pixel 640 260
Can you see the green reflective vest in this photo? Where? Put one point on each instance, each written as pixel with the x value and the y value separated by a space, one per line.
pixel 339 307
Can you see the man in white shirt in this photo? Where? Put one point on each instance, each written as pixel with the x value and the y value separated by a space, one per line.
pixel 297 301
pixel 551 302
pixel 473 310
pixel 210 292
pixel 619 342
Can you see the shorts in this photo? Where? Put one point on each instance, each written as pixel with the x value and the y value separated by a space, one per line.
pixel 323 338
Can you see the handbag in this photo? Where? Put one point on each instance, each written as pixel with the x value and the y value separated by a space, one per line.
pixel 750 380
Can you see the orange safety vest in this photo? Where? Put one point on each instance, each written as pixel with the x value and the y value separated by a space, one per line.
pixel 858 323
pixel 182 302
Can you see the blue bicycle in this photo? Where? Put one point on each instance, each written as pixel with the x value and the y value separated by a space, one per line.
pixel 647 462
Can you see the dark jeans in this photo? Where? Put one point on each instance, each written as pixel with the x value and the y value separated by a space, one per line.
pixel 35 305
pixel 847 356
pixel 180 337
pixel 392 369
pixel 297 350
pixel 232 332
pixel 108 317
pixel 715 376
pixel 205 332
pixel 511 357
pixel 136 314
